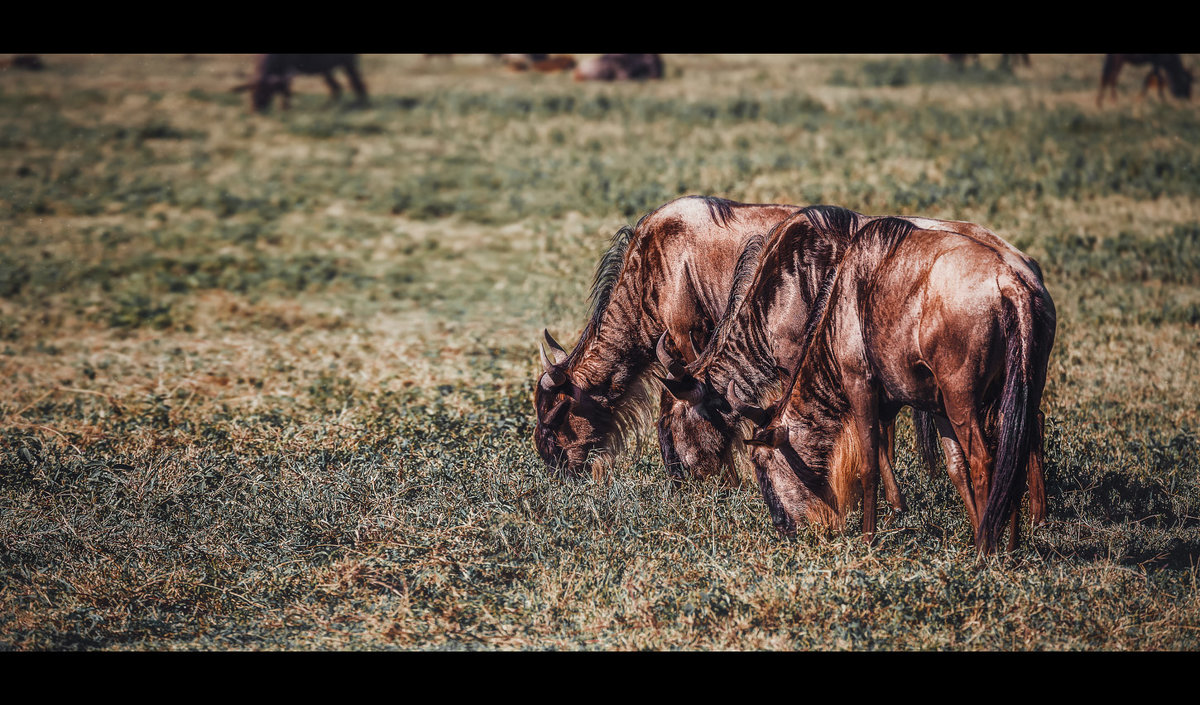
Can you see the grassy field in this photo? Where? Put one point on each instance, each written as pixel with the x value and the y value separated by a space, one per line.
pixel 267 379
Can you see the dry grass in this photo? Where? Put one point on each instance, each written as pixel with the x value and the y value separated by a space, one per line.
pixel 267 377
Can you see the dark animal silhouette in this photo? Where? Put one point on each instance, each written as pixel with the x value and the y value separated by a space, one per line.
pixel 1165 70
pixel 945 317
pixel 620 67
pixel 1007 61
pixel 28 62
pixel 273 74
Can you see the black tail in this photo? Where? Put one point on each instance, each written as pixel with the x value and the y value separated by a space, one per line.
pixel 928 446
pixel 1017 416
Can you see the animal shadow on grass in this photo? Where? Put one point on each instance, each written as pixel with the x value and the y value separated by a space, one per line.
pixel 1145 521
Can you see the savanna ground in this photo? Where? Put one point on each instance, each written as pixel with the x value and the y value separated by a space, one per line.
pixel 267 379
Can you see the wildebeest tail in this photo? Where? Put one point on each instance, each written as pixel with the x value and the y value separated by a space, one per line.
pixel 927 439
pixel 1016 418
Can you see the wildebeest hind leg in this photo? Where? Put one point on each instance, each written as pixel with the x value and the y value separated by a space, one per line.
pixel 335 88
pixel 1036 477
pixel 956 467
pixel 356 84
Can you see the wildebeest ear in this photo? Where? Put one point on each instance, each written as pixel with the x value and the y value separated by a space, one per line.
pixel 556 414
pixel 770 437
pixel 688 389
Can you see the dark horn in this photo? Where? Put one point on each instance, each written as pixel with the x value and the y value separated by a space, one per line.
pixel 559 353
pixel 674 367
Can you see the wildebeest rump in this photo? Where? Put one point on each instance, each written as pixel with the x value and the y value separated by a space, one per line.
pixel 620 67
pixel 273 74
pixel 1164 69
pixel 899 290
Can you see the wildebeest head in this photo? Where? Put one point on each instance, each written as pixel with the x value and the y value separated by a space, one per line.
pixel 701 423
pixel 570 424
pixel 696 426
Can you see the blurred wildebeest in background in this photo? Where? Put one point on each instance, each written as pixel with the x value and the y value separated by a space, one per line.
pixel 1164 69
pixel 546 63
pixel 960 60
pixel 273 74
pixel 28 62
pixel 1007 61
pixel 620 67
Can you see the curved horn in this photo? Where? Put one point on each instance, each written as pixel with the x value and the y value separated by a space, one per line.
pixel 756 414
pixel 675 368
pixel 559 353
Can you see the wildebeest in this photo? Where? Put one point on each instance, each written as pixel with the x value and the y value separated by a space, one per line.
pixel 955 324
pixel 620 67
pixel 670 272
pixel 545 63
pixel 1007 61
pixel 273 74
pixel 1165 69
pixel 28 62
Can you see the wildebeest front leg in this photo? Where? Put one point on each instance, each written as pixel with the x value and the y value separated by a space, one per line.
pixel 356 83
pixel 285 90
pixel 865 406
pixel 335 88
pixel 887 452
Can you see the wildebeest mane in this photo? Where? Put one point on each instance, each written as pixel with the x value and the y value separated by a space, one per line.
pixel 608 270
pixel 881 235
pixel 719 209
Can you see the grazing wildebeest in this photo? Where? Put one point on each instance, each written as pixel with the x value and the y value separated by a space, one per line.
pixel 1164 69
pixel 28 62
pixel 273 74
pixel 944 317
pixel 620 67
pixel 670 272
